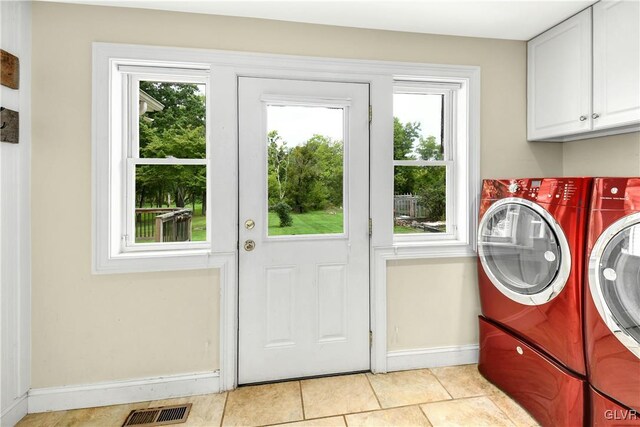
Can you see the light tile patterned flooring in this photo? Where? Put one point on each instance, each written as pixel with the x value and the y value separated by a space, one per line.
pixel 450 396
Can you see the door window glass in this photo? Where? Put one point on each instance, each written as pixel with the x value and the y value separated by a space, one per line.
pixel 520 249
pixel 620 279
pixel 305 167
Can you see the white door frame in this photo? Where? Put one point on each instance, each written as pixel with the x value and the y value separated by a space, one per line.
pixel 380 94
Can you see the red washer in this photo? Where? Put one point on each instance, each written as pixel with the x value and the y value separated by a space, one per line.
pixel 604 412
pixel 530 262
pixel 612 296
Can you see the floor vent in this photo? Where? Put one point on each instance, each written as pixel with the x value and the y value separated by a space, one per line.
pixel 161 416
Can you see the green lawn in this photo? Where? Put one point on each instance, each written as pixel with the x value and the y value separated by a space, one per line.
pixel 317 222
pixel 198 227
pixel 399 229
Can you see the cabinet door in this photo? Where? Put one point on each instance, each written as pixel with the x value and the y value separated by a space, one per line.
pixel 559 79
pixel 616 63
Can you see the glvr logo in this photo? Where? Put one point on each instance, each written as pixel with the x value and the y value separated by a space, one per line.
pixel 621 414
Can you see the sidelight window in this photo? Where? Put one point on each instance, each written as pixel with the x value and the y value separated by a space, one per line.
pixel 425 161
pixel 155 202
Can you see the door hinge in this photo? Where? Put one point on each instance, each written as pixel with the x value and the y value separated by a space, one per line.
pixel 370 113
pixel 370 338
pixel 370 227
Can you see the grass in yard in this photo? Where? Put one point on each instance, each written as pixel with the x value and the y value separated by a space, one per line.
pixel 198 227
pixel 400 229
pixel 317 222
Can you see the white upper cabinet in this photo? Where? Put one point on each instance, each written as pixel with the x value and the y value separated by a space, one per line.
pixel 559 79
pixel 616 63
pixel 565 100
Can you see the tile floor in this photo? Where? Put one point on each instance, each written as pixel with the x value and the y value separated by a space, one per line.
pixel 450 396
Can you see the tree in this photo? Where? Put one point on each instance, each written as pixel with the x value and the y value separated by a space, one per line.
pixel 404 136
pixel 178 130
pixel 428 149
pixel 330 157
pixel 314 175
pixel 278 162
pixel 432 193
pixel 428 183
pixel 184 104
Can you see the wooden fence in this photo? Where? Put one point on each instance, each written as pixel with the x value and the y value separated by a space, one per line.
pixel 408 205
pixel 163 224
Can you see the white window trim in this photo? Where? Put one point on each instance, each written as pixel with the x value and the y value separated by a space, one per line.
pixel 131 89
pixel 464 176
pixel 225 68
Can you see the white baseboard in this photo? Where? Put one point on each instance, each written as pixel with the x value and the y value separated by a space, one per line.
pixel 14 413
pixel 402 360
pixel 118 392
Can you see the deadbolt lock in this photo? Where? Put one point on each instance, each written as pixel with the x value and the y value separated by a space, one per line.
pixel 249 224
pixel 249 245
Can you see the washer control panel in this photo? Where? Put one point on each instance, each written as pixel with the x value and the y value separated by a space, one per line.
pixel 616 194
pixel 560 191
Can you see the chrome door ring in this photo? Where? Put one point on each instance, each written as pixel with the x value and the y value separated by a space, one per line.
pixel 562 276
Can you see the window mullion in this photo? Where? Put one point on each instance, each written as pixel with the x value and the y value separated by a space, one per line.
pixel 422 162
pixel 167 161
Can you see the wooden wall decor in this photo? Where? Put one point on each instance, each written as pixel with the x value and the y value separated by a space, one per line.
pixel 9 70
pixel 9 125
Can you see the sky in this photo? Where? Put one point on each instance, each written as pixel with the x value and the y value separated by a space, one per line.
pixel 296 124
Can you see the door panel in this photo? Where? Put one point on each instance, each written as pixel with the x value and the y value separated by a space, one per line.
pixel 304 243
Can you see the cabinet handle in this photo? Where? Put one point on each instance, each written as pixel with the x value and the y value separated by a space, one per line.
pixel 595 115
pixel 583 118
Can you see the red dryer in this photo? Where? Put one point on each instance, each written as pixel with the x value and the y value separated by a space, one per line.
pixel 612 302
pixel 530 274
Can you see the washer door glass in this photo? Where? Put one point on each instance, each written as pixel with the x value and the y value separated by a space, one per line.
pixel 619 273
pixel 519 249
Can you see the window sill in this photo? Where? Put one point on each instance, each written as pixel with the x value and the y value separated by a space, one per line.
pixel 426 250
pixel 153 261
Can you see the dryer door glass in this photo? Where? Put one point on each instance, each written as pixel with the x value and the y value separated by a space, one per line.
pixel 519 249
pixel 619 273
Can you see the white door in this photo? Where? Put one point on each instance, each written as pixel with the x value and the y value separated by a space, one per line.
pixel 616 63
pixel 559 79
pixel 304 279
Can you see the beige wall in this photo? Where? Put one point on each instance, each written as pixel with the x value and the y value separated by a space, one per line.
pixel 100 328
pixel 617 155
pixel 432 303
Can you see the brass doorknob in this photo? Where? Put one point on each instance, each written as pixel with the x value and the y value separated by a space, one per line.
pixel 249 245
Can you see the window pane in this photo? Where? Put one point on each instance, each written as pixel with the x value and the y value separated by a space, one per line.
pixel 172 120
pixel 420 199
pixel 417 127
pixel 170 203
pixel 305 170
